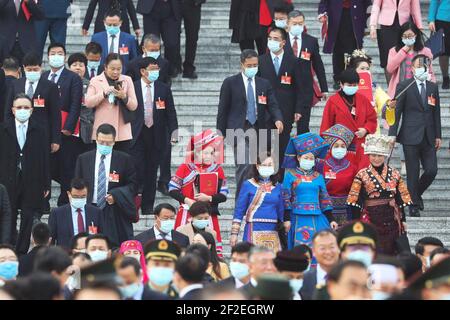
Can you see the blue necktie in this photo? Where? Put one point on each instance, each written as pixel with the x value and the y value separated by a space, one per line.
pixel 101 184
pixel 53 77
pixel 423 94
pixel 251 104
pixel 22 136
pixel 276 64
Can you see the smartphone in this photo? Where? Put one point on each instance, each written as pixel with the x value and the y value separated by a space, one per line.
pixel 118 85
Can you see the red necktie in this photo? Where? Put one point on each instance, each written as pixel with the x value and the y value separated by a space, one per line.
pixel 92 73
pixel 80 221
pixel 295 47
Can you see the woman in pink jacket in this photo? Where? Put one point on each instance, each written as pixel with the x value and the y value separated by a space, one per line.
pixel 390 15
pixel 113 97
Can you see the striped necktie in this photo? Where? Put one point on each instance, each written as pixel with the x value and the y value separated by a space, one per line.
pixel 101 183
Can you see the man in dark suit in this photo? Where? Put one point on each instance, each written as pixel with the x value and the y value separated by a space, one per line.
pixel 189 274
pixel 291 80
pixel 163 18
pixel 151 47
pixel 54 24
pixel 40 238
pixel 247 102
pixel 115 41
pixel 24 167
pixel 5 215
pixel 78 216
pixel 420 132
pixel 306 48
pixel 239 266
pixel 152 129
pixel 70 89
pixel 17 20
pixel 9 72
pixel 93 52
pixel 163 227
pixel 111 180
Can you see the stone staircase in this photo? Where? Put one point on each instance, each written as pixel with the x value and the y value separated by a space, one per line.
pixel 196 103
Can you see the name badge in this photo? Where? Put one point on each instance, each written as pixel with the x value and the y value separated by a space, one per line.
pixel 262 99
pixel 123 50
pixel 160 104
pixel 330 175
pixel 93 229
pixel 353 112
pixel 306 179
pixel 286 79
pixel 432 101
pixel 39 103
pixel 114 177
pixel 305 55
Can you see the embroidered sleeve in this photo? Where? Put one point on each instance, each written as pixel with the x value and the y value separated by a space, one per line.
pixel 242 203
pixel 355 192
pixel 403 197
pixel 177 180
pixel 224 187
pixel 324 197
pixel 287 190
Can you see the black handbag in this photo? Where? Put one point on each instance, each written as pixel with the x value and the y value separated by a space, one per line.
pixel 282 235
pixel 402 243
pixel 436 43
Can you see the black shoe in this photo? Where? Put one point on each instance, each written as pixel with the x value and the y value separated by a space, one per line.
pixel 336 86
pixel 445 83
pixel 191 75
pixel 146 211
pixel 420 204
pixel 162 187
pixel 414 212
pixel 174 72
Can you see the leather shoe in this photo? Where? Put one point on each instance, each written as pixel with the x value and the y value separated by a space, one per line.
pixel 420 204
pixel 162 187
pixel 146 212
pixel 414 212
pixel 191 75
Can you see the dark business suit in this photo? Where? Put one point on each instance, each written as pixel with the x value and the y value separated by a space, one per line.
pixel 26 261
pixel 12 23
pixel 232 114
pixel 5 85
pixel 5 216
pixel 118 220
pixel 163 18
pixel 421 126
pixel 26 183
pixel 248 291
pixel 61 223
pixel 177 237
pixel 309 284
pixel 292 98
pixel 195 294
pixel 126 40
pixel 149 294
pixel 229 282
pixel 149 144
pixel 134 72
pixel 70 89
pixel 126 8
pixel 99 70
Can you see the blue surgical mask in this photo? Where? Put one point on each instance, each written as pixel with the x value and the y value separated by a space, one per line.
pixel 9 270
pixel 251 72
pixel 296 284
pixel 112 30
pixel 350 90
pixel 22 115
pixel 167 225
pixel 93 65
pixel 420 74
pixel 200 224
pixel 338 153
pixel 160 276
pixel 409 42
pixel 153 54
pixel 56 61
pixel 274 46
pixel 281 23
pixel 104 150
pixel 153 75
pixel 296 30
pixel 361 256
pixel 33 76
pixel 78 203
pixel 380 295
pixel 306 164
pixel 130 290
pixel 98 255
pixel 266 172
pixel 239 270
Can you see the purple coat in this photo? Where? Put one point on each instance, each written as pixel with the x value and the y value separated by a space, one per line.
pixel 333 8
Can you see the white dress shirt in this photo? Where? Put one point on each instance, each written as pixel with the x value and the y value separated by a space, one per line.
pixel 238 283
pixel 144 90
pixel 299 43
pixel 75 219
pixel 107 169
pixel 253 282
pixel 27 85
pixel 58 74
pixel 116 43
pixel 18 131
pixel 158 235
pixel 321 276
pixel 190 288
pixel 245 78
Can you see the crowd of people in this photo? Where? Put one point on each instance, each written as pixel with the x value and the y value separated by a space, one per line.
pixel 317 216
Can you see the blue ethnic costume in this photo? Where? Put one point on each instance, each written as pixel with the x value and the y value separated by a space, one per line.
pixel 306 201
pixel 260 205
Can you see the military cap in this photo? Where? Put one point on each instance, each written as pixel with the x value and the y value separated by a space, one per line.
pixel 436 276
pixel 273 287
pixel 102 271
pixel 357 233
pixel 291 260
pixel 162 250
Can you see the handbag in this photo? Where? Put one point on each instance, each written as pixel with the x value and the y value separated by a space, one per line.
pixel 402 243
pixel 436 43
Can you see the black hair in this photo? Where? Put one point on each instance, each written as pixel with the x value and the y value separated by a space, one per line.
pixel 78 237
pixel 41 233
pixel 100 285
pixel 421 56
pixel 22 95
pixel 77 57
pixel 145 62
pixel 322 233
pixel 247 54
pixel 41 286
pixel 56 45
pixel 131 262
pixel 411 264
pixel 336 272
pixel 303 248
pixel 215 259
pixel 81 254
pixel 356 61
pixel 191 267
pixel 112 13
pixel 242 247
pixel 112 57
pixel 157 210
pixel 275 178
pixel 199 207
pixel 52 259
pixel 284 8
pixel 281 31
pixel 349 75
pixel 106 128
pixel 420 245
pixel 201 250
pixel 31 59
pixel 384 259
pixel 93 47
pixel 418 44
pixel 11 64
pixel 78 184
pixel 438 251
pixel 98 236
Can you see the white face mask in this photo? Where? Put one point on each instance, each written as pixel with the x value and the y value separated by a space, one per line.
pixel 98 255
pixel 306 164
pixel 266 172
pixel 338 153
